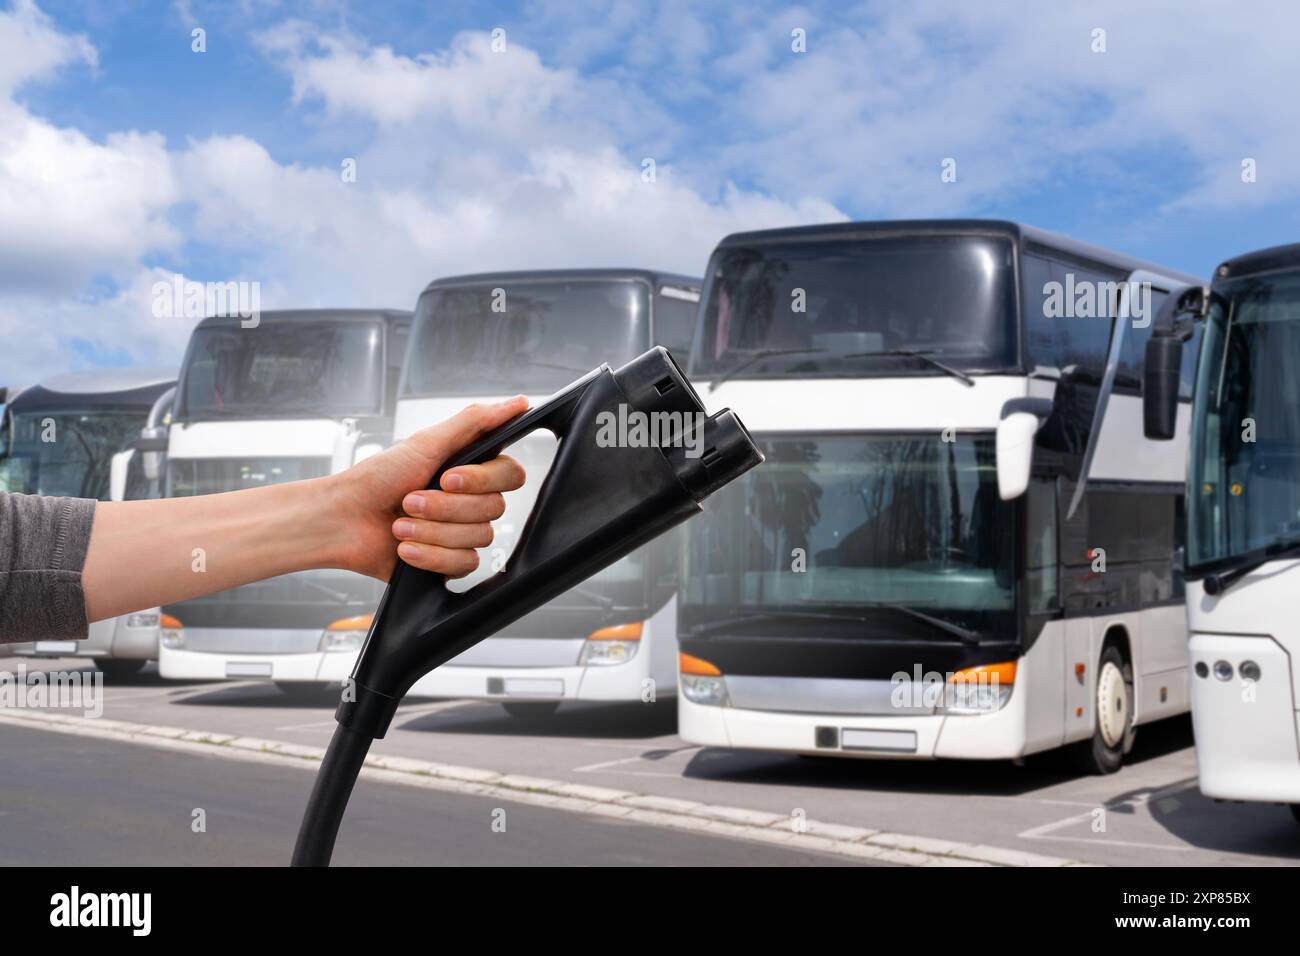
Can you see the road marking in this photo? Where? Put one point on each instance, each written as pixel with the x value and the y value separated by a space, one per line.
pixel 1046 831
pixel 737 822
pixel 415 711
pixel 666 751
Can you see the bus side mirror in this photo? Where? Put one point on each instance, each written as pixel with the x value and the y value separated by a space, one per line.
pixel 1021 419
pixel 1160 377
pixel 118 467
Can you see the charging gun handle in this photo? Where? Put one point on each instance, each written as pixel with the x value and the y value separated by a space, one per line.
pixel 415 597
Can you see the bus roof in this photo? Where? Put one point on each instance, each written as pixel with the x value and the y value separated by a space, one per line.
pixel 311 315
pixel 111 386
pixel 652 276
pixel 911 227
pixel 1273 259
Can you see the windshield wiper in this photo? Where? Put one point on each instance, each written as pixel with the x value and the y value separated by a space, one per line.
pixel 965 635
pixel 924 356
pixel 1220 581
pixel 756 357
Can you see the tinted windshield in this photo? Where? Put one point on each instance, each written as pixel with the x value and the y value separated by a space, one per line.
pixel 1244 485
pixel 840 522
pixel 283 368
pixel 522 336
pixel 951 297
pixel 66 452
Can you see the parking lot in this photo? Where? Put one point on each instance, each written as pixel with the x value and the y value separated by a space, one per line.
pixel 616 756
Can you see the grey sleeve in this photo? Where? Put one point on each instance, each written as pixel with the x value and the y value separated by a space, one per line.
pixel 42 550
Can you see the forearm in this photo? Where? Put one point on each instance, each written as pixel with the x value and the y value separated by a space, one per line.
pixel 145 553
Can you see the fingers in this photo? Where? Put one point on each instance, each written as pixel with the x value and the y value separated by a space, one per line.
pixel 461 508
pixel 453 562
pixel 443 534
pixel 440 441
pixel 500 474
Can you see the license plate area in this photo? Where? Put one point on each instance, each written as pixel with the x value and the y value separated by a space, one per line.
pixel 55 647
pixel 248 668
pixel 546 687
pixel 882 741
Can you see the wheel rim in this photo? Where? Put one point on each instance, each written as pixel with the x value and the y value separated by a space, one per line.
pixel 1112 704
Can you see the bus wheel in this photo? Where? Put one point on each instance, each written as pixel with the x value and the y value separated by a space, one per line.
pixel 532 709
pixel 1113 730
pixel 119 670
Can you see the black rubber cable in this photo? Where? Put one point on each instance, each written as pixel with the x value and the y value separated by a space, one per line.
pixel 329 797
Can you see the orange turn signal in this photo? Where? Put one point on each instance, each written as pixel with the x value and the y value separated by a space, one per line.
pixel 1004 673
pixel 697 665
pixel 167 621
pixel 619 632
pixel 359 623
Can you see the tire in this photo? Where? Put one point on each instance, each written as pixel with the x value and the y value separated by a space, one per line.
pixel 308 692
pixel 1113 730
pixel 531 710
pixel 1295 811
pixel 115 670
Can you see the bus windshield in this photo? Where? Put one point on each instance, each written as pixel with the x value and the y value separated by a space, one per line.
pixel 67 451
pixel 836 307
pixel 523 336
pixel 850 522
pixel 283 368
pixel 1244 479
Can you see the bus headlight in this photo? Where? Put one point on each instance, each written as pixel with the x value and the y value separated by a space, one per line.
pixel 612 645
pixel 172 634
pixel 345 634
pixel 702 682
pixel 980 690
pixel 142 619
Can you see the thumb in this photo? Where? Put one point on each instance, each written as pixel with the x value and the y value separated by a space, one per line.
pixel 439 442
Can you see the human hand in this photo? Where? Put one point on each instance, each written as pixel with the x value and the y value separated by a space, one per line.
pixel 382 501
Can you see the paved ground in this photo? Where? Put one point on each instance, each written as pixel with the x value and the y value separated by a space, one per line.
pixel 1152 811
pixel 68 800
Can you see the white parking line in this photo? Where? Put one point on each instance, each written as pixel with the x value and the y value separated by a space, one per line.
pixel 1047 830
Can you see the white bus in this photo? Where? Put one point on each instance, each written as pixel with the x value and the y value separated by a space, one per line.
pixel 486 337
pixel 60 438
pixel 302 394
pixel 960 544
pixel 1243 527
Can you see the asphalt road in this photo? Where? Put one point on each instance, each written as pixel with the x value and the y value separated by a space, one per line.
pixel 80 801
pixel 1152 812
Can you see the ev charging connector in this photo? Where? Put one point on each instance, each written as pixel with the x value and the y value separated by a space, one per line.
pixel 598 503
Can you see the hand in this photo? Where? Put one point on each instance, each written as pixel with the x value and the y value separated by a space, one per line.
pixel 382 501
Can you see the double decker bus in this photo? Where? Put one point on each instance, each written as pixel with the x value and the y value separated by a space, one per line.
pixel 61 437
pixel 302 394
pixel 486 337
pixel 1243 517
pixel 961 544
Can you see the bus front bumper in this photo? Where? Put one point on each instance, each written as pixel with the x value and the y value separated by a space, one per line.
pixel 997 735
pixel 594 682
pixel 129 637
pixel 310 667
pixel 1247 732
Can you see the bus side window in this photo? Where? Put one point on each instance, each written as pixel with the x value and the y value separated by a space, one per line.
pixel 674 325
pixel 1040 329
pixel 1132 353
pixel 1041 569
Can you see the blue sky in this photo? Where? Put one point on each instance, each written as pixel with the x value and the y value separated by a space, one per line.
pixel 125 156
